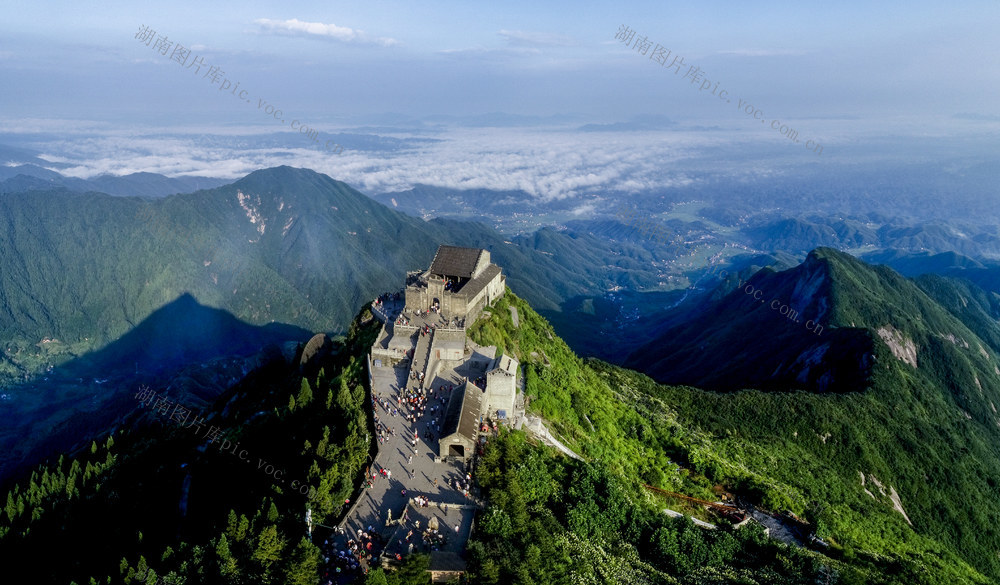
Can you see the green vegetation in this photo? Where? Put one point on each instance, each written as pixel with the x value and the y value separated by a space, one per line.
pixel 196 514
pixel 100 286
pixel 412 571
pixel 799 451
pixel 280 245
pixel 170 506
pixel 284 245
pixel 555 520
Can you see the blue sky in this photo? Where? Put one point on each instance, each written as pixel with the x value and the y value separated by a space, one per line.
pixel 868 81
pixel 339 61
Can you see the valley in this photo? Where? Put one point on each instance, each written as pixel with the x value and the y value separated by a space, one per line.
pixel 541 312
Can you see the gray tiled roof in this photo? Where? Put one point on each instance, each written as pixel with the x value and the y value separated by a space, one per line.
pixel 455 261
pixel 463 413
pixel 446 561
pixel 477 284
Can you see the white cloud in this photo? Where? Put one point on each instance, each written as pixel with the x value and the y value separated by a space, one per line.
pixel 296 27
pixel 519 44
pixel 545 163
pixel 540 39
pixel 492 51
pixel 549 163
pixel 763 52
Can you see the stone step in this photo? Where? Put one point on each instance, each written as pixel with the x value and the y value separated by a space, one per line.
pixel 421 355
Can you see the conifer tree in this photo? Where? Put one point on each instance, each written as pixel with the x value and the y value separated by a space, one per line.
pixel 303 568
pixel 227 564
pixel 305 393
pixel 268 552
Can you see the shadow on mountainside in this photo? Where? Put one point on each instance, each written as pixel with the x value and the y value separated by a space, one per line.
pixel 190 351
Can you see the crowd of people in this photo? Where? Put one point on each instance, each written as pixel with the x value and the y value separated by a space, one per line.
pixel 462 484
pixel 419 402
pixel 421 413
pixel 434 539
pixel 357 555
pixel 384 297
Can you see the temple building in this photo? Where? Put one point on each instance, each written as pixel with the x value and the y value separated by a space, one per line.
pixel 428 337
pixel 501 387
pixel 454 392
pixel 461 423
pixel 460 282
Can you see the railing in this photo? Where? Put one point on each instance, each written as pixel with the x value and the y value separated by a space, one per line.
pixel 453 329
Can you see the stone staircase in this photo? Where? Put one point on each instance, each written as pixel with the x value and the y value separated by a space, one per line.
pixel 421 355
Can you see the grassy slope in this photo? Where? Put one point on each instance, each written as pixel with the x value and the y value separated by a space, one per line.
pixel 748 442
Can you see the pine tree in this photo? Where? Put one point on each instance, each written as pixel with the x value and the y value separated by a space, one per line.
pixel 71 487
pixel 321 447
pixel 344 400
pixel 241 530
pixel 227 564
pixel 11 507
pixel 304 566
pixel 291 404
pixel 141 569
pixel 268 552
pixel 376 577
pixel 231 524
pixel 305 393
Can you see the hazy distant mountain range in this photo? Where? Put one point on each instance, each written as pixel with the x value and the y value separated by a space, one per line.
pixel 27 177
pixel 853 367
pixel 877 429
pixel 902 375
pixel 83 274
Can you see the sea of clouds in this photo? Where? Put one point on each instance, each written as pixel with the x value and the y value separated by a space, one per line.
pixel 549 163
